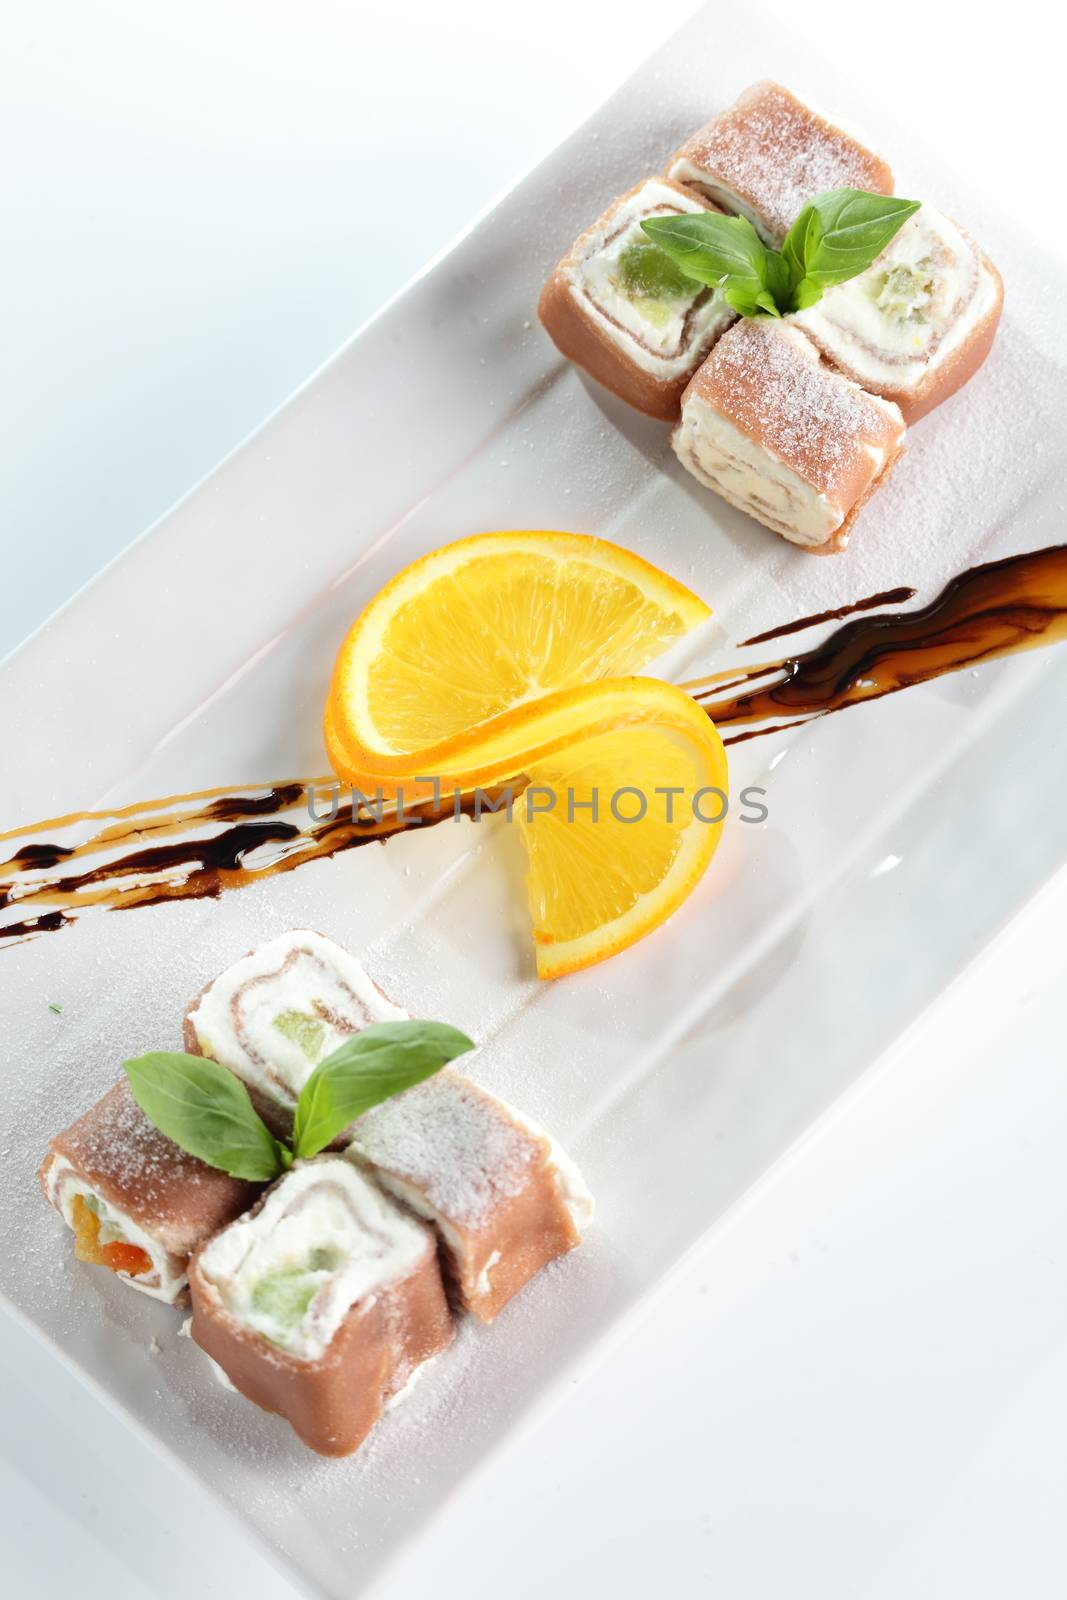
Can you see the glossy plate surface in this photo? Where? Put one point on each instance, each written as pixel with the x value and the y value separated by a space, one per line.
pixel 900 835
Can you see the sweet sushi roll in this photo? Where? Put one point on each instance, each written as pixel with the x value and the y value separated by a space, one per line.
pixel 919 322
pixel 769 154
pixel 137 1204
pixel 502 1195
pixel 322 1303
pixel 778 433
pixel 619 307
pixel 276 1013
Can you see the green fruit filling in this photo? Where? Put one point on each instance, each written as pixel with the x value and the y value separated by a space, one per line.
pixel 650 279
pixel 904 291
pixel 646 270
pixel 285 1295
pixel 282 1297
pixel 303 1030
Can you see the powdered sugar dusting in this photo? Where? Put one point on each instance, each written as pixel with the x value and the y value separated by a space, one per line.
pixel 448 940
pixel 118 1138
pixel 454 1143
pixel 770 381
pixel 776 153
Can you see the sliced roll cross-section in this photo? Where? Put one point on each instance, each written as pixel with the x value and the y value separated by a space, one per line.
pixel 918 323
pixel 769 154
pixel 137 1204
pixel 619 307
pixel 277 1012
pixel 503 1196
pixel 322 1303
pixel 778 433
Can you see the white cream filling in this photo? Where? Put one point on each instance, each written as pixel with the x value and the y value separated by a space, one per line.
pixel 751 478
pixel 326 1239
pixel 220 1375
pixel 289 1017
pixel 899 321
pixel 65 1183
pixel 485 1277
pixel 650 329
pixel 414 1377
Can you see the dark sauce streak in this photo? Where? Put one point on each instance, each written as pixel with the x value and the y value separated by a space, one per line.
pixel 233 807
pixel 889 597
pixel 192 867
pixel 221 854
pixel 39 855
pixel 992 610
pixel 16 932
pixel 758 733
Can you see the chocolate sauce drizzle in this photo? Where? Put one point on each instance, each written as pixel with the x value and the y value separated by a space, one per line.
pixel 992 610
pixel 888 597
pixel 268 830
pixel 167 850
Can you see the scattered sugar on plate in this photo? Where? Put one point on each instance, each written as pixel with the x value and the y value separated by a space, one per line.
pixel 124 979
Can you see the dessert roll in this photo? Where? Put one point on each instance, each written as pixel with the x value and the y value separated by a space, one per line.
pixel 137 1204
pixel 502 1195
pixel 277 1012
pixel 619 307
pixel 769 154
pixel 918 323
pixel 781 435
pixel 322 1303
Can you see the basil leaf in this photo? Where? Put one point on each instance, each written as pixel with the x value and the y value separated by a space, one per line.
pixel 713 249
pixel 796 246
pixel 806 294
pixel 759 306
pixel 740 297
pixel 836 237
pixel 368 1068
pixel 205 1110
pixel 777 284
pixel 839 234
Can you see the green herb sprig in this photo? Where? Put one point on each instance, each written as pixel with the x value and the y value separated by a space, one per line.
pixel 207 1111
pixel 837 236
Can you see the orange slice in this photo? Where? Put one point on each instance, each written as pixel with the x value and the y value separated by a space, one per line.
pixel 500 659
pixel 598 884
pixel 484 627
pixel 619 828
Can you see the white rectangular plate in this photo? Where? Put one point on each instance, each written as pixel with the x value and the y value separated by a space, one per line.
pixel 900 835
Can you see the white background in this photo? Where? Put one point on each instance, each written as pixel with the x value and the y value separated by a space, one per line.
pixel 857 1388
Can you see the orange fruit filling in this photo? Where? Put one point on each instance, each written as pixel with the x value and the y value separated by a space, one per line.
pixel 86 1232
pixel 128 1258
pixel 116 1256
